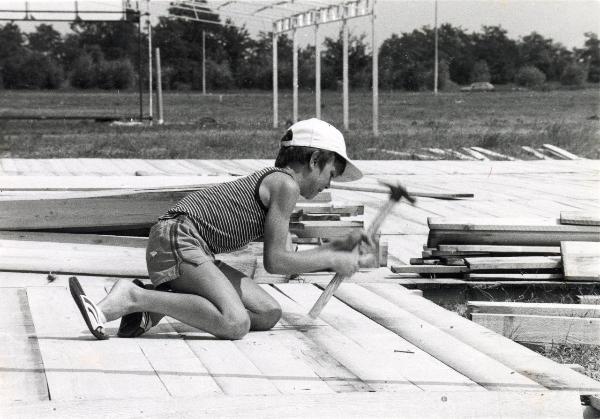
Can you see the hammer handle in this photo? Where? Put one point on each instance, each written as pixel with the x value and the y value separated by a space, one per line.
pixel 333 285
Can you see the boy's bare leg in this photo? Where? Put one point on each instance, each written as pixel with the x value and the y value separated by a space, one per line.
pixel 204 298
pixel 264 311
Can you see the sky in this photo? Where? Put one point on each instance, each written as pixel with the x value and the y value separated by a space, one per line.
pixel 564 21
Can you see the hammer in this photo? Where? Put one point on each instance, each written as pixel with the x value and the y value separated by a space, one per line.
pixel 396 193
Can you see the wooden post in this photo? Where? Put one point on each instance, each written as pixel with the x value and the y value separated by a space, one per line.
pixel 275 86
pixel 203 62
pixel 375 75
pixel 345 73
pixel 317 73
pixel 435 60
pixel 295 76
pixel 159 98
pixel 150 104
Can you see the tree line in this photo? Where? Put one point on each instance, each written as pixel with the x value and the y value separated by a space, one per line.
pixel 105 55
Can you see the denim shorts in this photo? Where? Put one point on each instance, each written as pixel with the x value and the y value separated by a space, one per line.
pixel 172 242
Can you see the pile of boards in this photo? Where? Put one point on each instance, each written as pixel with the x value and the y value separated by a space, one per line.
pixel 82 230
pixel 540 323
pixel 512 249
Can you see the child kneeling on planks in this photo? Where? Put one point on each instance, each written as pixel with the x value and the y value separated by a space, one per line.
pixel 208 294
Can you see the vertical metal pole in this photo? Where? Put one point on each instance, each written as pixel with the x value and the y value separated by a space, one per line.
pixel 317 73
pixel 294 76
pixel 345 72
pixel 203 62
pixel 375 75
pixel 275 84
pixel 159 97
pixel 435 60
pixel 150 105
pixel 139 59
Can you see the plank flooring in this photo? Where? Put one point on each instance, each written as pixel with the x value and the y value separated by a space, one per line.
pixel 371 340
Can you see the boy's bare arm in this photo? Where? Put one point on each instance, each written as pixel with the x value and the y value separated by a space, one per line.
pixel 283 195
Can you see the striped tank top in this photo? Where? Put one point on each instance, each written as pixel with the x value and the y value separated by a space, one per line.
pixel 228 216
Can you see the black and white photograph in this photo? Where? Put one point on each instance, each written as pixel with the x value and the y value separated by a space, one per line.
pixel 299 209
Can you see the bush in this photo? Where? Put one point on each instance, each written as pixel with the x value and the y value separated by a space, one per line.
pixel 31 71
pixel 530 76
pixel 573 75
pixel 218 76
pixel 117 74
pixel 480 72
pixel 84 74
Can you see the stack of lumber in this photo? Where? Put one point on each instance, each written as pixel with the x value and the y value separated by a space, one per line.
pixel 511 249
pixel 133 211
pixel 540 323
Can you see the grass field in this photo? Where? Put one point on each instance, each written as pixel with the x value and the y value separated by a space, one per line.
pixel 239 124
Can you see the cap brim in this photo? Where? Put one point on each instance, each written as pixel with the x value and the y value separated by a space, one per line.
pixel 351 173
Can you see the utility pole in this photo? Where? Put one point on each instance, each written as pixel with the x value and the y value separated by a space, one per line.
pixel 275 81
pixel 150 105
pixel 435 65
pixel 203 62
pixel 375 74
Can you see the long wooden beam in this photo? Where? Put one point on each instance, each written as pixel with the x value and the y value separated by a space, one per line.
pixel 463 358
pixel 411 405
pixel 542 329
pixel 523 360
pixel 538 309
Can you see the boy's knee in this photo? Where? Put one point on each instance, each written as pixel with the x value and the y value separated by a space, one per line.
pixel 268 318
pixel 235 326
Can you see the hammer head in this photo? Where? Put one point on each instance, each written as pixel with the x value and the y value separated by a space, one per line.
pixel 397 192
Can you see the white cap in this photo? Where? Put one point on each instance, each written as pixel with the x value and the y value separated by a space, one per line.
pixel 319 134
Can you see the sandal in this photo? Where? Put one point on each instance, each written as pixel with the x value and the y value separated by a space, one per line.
pixel 135 324
pixel 88 309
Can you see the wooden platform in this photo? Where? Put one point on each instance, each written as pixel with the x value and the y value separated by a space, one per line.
pixel 377 350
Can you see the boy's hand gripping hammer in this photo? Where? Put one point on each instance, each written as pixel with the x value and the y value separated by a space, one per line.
pixel 396 193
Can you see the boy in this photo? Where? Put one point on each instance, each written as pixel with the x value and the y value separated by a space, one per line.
pixel 208 294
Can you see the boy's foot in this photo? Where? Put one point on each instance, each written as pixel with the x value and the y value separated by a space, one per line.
pixel 136 324
pixel 91 314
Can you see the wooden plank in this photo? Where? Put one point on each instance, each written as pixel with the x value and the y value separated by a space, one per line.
pixel 325 366
pixel 537 309
pixel 324 229
pixel 115 211
pixel 513 263
pixel 284 369
pixel 469 362
pixel 428 269
pixel 489 404
pixel 79 367
pixel 476 276
pixel 95 239
pixel 580 217
pixel 386 190
pixel 227 365
pixel 581 261
pixel 22 375
pixel 535 153
pixel 557 151
pixel 90 183
pixel 365 364
pixel 465 248
pixel 513 355
pixel 506 224
pixel 542 329
pixel 417 366
pixel 492 153
pixel 177 367
pixel 589 299
pixel 474 154
pixel 514 237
